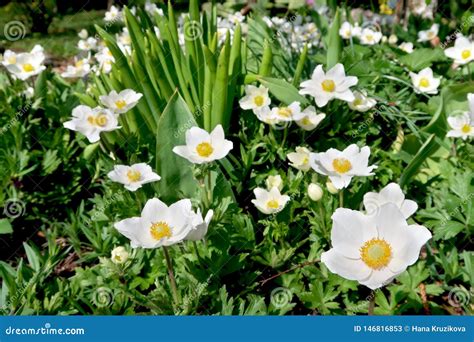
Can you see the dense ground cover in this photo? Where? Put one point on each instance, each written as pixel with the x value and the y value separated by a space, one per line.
pixel 314 162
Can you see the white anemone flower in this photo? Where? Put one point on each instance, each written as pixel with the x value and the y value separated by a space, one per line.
pixel 105 59
pixel 370 37
pixel 26 64
pixel 373 250
pixel 362 103
pixel 310 119
pixel 341 166
pixel 120 102
pixel 81 68
pixel 392 193
pixel 287 113
pixel 406 46
pixel 331 85
pixel 9 57
pixel 133 176
pixel 462 126
pixel 203 147
pixel 158 225
pixel 348 31
pixel 199 225
pixel 300 158
pixel 462 52
pixel 274 182
pixel 425 36
pixel 87 44
pixel 269 202
pixel 255 98
pixel 83 34
pixel 114 14
pixel 92 121
pixel 424 82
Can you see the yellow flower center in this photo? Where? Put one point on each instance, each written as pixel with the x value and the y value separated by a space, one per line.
pixel 341 165
pixel 79 63
pixel 376 253
pixel 285 112
pixel 118 258
pixel 466 128
pixel 134 175
pixel 357 102
pixel 160 230
pixel 466 54
pixel 424 82
pixel 204 149
pixel 273 204
pixel 258 100
pixel 306 121
pixel 348 33
pixel 430 34
pixel 369 37
pixel 120 104
pixel 28 67
pixel 99 120
pixel 328 85
pixel 12 60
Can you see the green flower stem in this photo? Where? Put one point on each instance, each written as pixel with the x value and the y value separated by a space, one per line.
pixel 371 308
pixel 341 198
pixel 171 275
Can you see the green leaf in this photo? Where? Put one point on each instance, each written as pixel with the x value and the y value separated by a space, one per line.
pixel 283 91
pixel 5 227
pixel 177 179
pixel 33 256
pixel 334 45
pixel 422 58
pixel 425 151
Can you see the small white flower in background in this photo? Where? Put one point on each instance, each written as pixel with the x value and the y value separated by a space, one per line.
pixel 134 176
pixel 87 44
pixel 327 86
pixel 269 202
pixel 425 36
pixel 373 249
pixel 25 64
pixel 274 181
pixel 424 82
pixel 113 14
pixel 462 52
pixel 407 47
pixel 83 34
pixel 287 113
pixel 203 147
pixel 370 37
pixel 393 39
pixel 315 192
pixel 153 9
pixel 347 31
pixel 80 68
pixel 9 57
pixel 266 116
pixel 92 121
pixel 199 225
pixel 300 158
pixel 105 59
pixel 124 37
pixel 255 98
pixel 119 255
pixel 29 92
pixel 462 126
pixel 121 102
pixel 331 188
pixel 341 166
pixel 158 225
pixel 392 193
pixel 362 103
pixel 310 119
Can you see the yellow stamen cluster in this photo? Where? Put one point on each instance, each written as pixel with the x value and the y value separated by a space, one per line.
pixel 160 230
pixel 28 67
pixel 99 120
pixel 466 54
pixel 204 149
pixel 341 165
pixel 134 175
pixel 328 85
pixel 120 104
pixel 376 253
pixel 284 112
pixel 273 204
pixel 466 128
pixel 424 82
pixel 258 100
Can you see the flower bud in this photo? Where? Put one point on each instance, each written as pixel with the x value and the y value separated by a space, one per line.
pixel 274 181
pixel 119 255
pixel 331 188
pixel 315 192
